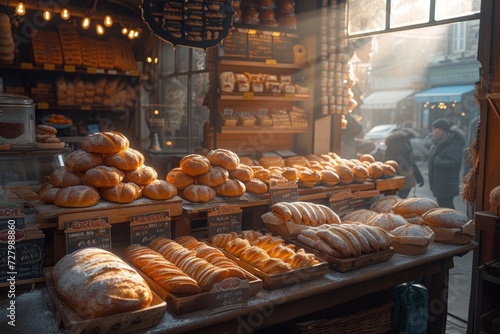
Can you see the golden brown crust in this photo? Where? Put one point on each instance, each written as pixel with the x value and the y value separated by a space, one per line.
pixel 125 160
pixel 256 186
pixel 105 142
pixel 387 221
pixel 230 188
pixel 159 190
pixel 345 174
pixel 242 172
pixel 445 218
pixel 198 193
pixel 121 193
pixel 195 164
pixel 180 179
pixel 79 196
pixel 375 171
pixel 142 175
pixel 102 176
pixel 385 204
pixel 414 206
pixel 296 161
pixel 61 178
pixel 80 161
pixel 273 160
pixel 223 158
pixel 215 177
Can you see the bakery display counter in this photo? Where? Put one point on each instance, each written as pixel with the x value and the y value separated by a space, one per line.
pixel 271 307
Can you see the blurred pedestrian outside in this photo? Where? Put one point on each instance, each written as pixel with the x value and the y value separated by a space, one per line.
pixel 445 162
pixel 399 148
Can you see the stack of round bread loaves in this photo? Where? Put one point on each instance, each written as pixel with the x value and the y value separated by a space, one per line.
pixel 104 168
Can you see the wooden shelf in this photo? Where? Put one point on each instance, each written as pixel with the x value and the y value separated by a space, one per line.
pixel 261 63
pixel 260 129
pixel 491 278
pixel 250 96
pixel 27 66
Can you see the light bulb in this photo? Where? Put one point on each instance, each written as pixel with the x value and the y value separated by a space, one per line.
pixel 136 33
pixel 131 34
pixel 99 29
pixel 20 9
pixel 124 31
pixel 47 15
pixel 108 21
pixel 65 15
pixel 149 59
pixel 85 23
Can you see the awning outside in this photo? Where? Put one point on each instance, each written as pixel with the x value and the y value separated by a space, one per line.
pixel 386 99
pixel 443 94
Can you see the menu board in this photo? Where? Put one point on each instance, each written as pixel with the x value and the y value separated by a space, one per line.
pixel 224 219
pixel 194 23
pixel 235 45
pixel 146 227
pixel 283 48
pixel 283 191
pixel 260 46
pixel 340 201
pixel 91 232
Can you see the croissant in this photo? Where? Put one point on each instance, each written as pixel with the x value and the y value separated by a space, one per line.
pixel 237 246
pixel 253 255
pixel 302 259
pixel 220 240
pixel 268 241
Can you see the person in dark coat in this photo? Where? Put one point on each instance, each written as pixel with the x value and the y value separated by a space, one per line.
pixel 445 162
pixel 399 149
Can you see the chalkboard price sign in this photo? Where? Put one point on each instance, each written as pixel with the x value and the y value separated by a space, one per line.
pixel 260 46
pixel 235 45
pixel 230 293
pixel 29 258
pixel 362 199
pixel 340 201
pixel 224 219
pixel 92 232
pixel 283 191
pixel 146 227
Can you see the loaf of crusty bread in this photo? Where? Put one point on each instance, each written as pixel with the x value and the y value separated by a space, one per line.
pixel 198 193
pixel 47 192
pixel 272 160
pixel 214 177
pixel 360 173
pixel 180 179
pixel 414 206
pixel 223 158
pixel 105 142
pixel 97 283
pixel 102 176
pixel 61 177
pixel 128 159
pixel 166 274
pixel 445 218
pixel 80 161
pixel 195 164
pixel 360 216
pixel 256 186
pixel 159 189
pixel 385 204
pixel 123 192
pixel 387 221
pixel 411 239
pixel 230 188
pixel 142 175
pixel 242 172
pixel 79 196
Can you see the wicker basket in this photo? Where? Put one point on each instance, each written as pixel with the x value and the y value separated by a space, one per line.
pixel 373 320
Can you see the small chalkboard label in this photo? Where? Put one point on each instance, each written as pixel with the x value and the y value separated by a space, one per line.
pixel 235 45
pixel 231 293
pixel 363 199
pixel 340 201
pixel 29 258
pixel 283 191
pixel 91 232
pixel 224 219
pixel 146 227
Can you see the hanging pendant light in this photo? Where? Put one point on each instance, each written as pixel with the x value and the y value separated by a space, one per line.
pixel 65 15
pixel 20 9
pixel 99 29
pixel 85 23
pixel 47 15
pixel 108 21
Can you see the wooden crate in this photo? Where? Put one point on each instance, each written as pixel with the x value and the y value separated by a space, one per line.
pixel 117 323
pixel 393 183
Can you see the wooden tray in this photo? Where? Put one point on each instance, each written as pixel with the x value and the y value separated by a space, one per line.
pixel 347 264
pixel 185 304
pixel 116 323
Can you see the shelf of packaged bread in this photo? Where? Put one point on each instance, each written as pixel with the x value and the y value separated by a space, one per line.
pixel 69 69
pixel 261 63
pixel 260 129
pixel 249 96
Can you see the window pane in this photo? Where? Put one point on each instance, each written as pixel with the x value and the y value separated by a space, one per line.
pixel 366 16
pixel 409 12
pixel 175 101
pixel 200 114
pixel 199 60
pixel 182 59
pixel 446 9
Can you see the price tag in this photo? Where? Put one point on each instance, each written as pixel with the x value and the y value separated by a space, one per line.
pixel 283 191
pixel 224 219
pixel 42 105
pixel 146 227
pixel 91 70
pixel 92 232
pixel 340 201
pixel 49 67
pixel 228 294
pixel 69 68
pixel 363 199
pixel 27 66
pixel 248 95
pixel 271 62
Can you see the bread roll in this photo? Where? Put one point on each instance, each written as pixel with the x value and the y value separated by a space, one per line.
pixel 345 174
pixel 214 177
pixel 80 161
pixel 223 158
pixel 102 176
pixel 125 160
pixel 105 142
pixel 180 179
pixel 360 173
pixel 385 204
pixel 329 177
pixel 142 175
pixel 375 171
pixel 445 218
pixel 195 164
pixel 97 283
pixel 247 161
pixel 296 161
pixel 48 195
pixel 242 172
pixel 79 196
pixel 230 188
pixel 414 206
pixel 160 190
pixel 255 186
pixel 393 163
pixel 272 160
pixel 61 178
pixel 367 157
pixel 198 193
pixel 123 192
pixel 290 173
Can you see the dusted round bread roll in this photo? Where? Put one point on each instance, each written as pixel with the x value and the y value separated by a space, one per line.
pixel 79 196
pixel 329 177
pixel 80 161
pixel 345 174
pixel 215 177
pixel 128 159
pixel 230 188
pixel 61 178
pixel 48 194
pixel 159 189
pixel 387 221
pixel 385 204
pixel 102 176
pixel 142 175
pixel 290 173
pixel 360 173
pixel 198 193
pixel 375 171
pixel 272 160
pixel 242 172
pixel 255 186
pixel 367 157
pixel 123 192
pixel 223 158
pixel 297 160
pixel 247 161
pixel 393 163
pixel 180 179
pixel 195 164
pixel 105 142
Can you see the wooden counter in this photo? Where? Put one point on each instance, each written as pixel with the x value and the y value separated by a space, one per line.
pixel 270 307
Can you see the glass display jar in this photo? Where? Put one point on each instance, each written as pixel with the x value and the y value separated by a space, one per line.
pixel 17 120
